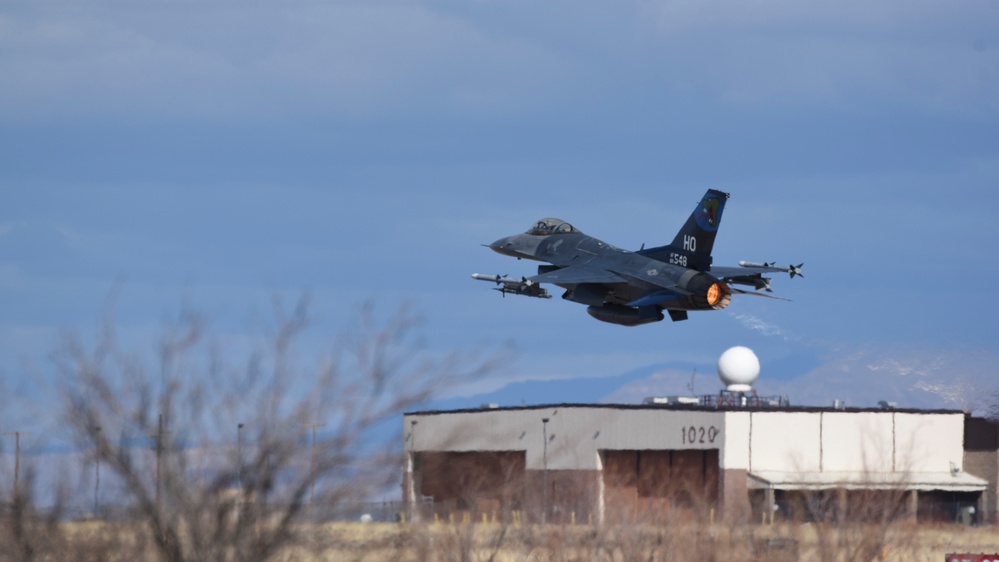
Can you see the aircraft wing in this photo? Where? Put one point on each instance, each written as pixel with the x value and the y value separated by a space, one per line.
pixel 744 266
pixel 751 274
pixel 743 276
pixel 578 274
pixel 728 271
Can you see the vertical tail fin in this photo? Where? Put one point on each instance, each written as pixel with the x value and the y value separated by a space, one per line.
pixel 692 245
pixel 698 234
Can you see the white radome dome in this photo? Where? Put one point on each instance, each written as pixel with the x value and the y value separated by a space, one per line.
pixel 738 369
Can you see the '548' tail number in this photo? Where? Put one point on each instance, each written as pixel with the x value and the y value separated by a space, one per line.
pixel 691 434
pixel 677 259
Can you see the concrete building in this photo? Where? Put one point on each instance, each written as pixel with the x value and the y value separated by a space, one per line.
pixel 604 463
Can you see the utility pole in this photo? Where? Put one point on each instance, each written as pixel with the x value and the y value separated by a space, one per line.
pixel 312 495
pixel 239 456
pixel 544 433
pixel 412 484
pixel 17 460
pixel 159 458
pixel 97 471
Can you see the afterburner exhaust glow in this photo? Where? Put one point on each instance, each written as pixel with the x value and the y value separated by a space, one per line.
pixel 719 295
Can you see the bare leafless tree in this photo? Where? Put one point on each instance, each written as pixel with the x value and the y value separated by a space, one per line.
pixel 207 443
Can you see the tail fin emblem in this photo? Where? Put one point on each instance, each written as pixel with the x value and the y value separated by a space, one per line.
pixel 710 210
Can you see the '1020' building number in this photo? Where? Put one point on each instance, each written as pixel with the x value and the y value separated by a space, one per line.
pixel 696 434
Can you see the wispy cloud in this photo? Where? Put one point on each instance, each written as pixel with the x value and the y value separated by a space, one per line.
pixel 958 392
pixel 761 326
pixel 492 58
pixel 664 382
pixel 920 367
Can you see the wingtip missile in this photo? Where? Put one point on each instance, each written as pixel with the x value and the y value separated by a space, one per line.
pixel 793 270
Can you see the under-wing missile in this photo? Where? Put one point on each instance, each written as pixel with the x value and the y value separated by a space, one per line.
pixel 521 286
pixel 753 264
pixel 494 278
pixel 794 270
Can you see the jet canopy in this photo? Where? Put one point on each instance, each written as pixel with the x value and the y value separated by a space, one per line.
pixel 544 227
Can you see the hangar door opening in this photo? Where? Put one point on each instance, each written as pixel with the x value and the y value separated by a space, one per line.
pixel 649 485
pixel 477 482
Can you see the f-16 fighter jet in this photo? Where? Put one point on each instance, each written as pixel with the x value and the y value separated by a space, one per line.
pixel 633 288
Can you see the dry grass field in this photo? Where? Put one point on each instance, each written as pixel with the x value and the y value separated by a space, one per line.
pixel 443 542
pixel 446 542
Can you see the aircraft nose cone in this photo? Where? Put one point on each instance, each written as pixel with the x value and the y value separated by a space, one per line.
pixel 509 246
pixel 500 245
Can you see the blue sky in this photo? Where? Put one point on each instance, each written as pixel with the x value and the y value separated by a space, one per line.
pixel 214 154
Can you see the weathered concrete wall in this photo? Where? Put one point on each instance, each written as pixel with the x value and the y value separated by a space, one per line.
pixel 576 442
pixel 734 496
pixel 575 434
pixel 784 441
pixel 842 441
pixel 928 443
pixel 985 465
